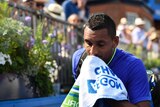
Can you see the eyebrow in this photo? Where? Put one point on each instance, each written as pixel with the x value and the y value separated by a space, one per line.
pixel 98 41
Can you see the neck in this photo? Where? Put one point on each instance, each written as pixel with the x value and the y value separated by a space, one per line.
pixel 112 56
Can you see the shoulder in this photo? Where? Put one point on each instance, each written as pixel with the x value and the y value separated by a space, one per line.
pixel 126 64
pixel 125 56
pixel 130 66
pixel 131 70
pixel 77 54
pixel 75 60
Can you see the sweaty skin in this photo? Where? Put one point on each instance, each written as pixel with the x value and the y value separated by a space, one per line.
pixel 99 43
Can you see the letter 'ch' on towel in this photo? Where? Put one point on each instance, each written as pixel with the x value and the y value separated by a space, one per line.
pixel 96 80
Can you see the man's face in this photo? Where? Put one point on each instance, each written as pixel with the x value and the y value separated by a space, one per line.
pixel 99 43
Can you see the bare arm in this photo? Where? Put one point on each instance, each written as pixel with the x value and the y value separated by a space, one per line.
pixel 114 103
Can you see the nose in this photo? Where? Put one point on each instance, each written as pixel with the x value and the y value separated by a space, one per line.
pixel 94 51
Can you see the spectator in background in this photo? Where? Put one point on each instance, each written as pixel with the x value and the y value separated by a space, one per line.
pixel 78 7
pixel 73 19
pixel 124 34
pixel 55 10
pixel 73 38
pixel 139 38
pixel 123 22
pixel 22 15
pixel 138 34
pixel 153 45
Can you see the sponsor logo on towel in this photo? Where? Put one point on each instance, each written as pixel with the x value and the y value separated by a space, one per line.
pixel 105 77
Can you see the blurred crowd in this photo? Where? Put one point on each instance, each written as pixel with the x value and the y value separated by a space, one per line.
pixel 75 12
pixel 62 11
pixel 145 43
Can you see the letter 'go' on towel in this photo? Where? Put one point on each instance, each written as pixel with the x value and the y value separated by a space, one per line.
pixel 96 80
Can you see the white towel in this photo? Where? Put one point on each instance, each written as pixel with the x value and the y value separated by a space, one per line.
pixel 96 80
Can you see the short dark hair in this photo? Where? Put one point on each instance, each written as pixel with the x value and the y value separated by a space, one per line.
pixel 99 21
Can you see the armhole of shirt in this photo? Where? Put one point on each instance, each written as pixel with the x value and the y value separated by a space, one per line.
pixel 79 64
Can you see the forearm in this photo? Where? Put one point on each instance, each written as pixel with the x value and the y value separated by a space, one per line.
pixel 114 103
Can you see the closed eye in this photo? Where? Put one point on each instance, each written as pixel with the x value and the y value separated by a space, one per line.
pixel 100 44
pixel 88 43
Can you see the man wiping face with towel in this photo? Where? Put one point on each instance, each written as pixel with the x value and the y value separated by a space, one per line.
pixel 100 40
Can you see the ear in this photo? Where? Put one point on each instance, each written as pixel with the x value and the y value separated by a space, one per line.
pixel 115 41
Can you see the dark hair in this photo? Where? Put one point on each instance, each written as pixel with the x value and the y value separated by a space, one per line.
pixel 100 21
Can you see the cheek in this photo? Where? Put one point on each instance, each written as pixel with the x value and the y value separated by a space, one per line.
pixel 87 48
pixel 106 52
pixel 85 45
